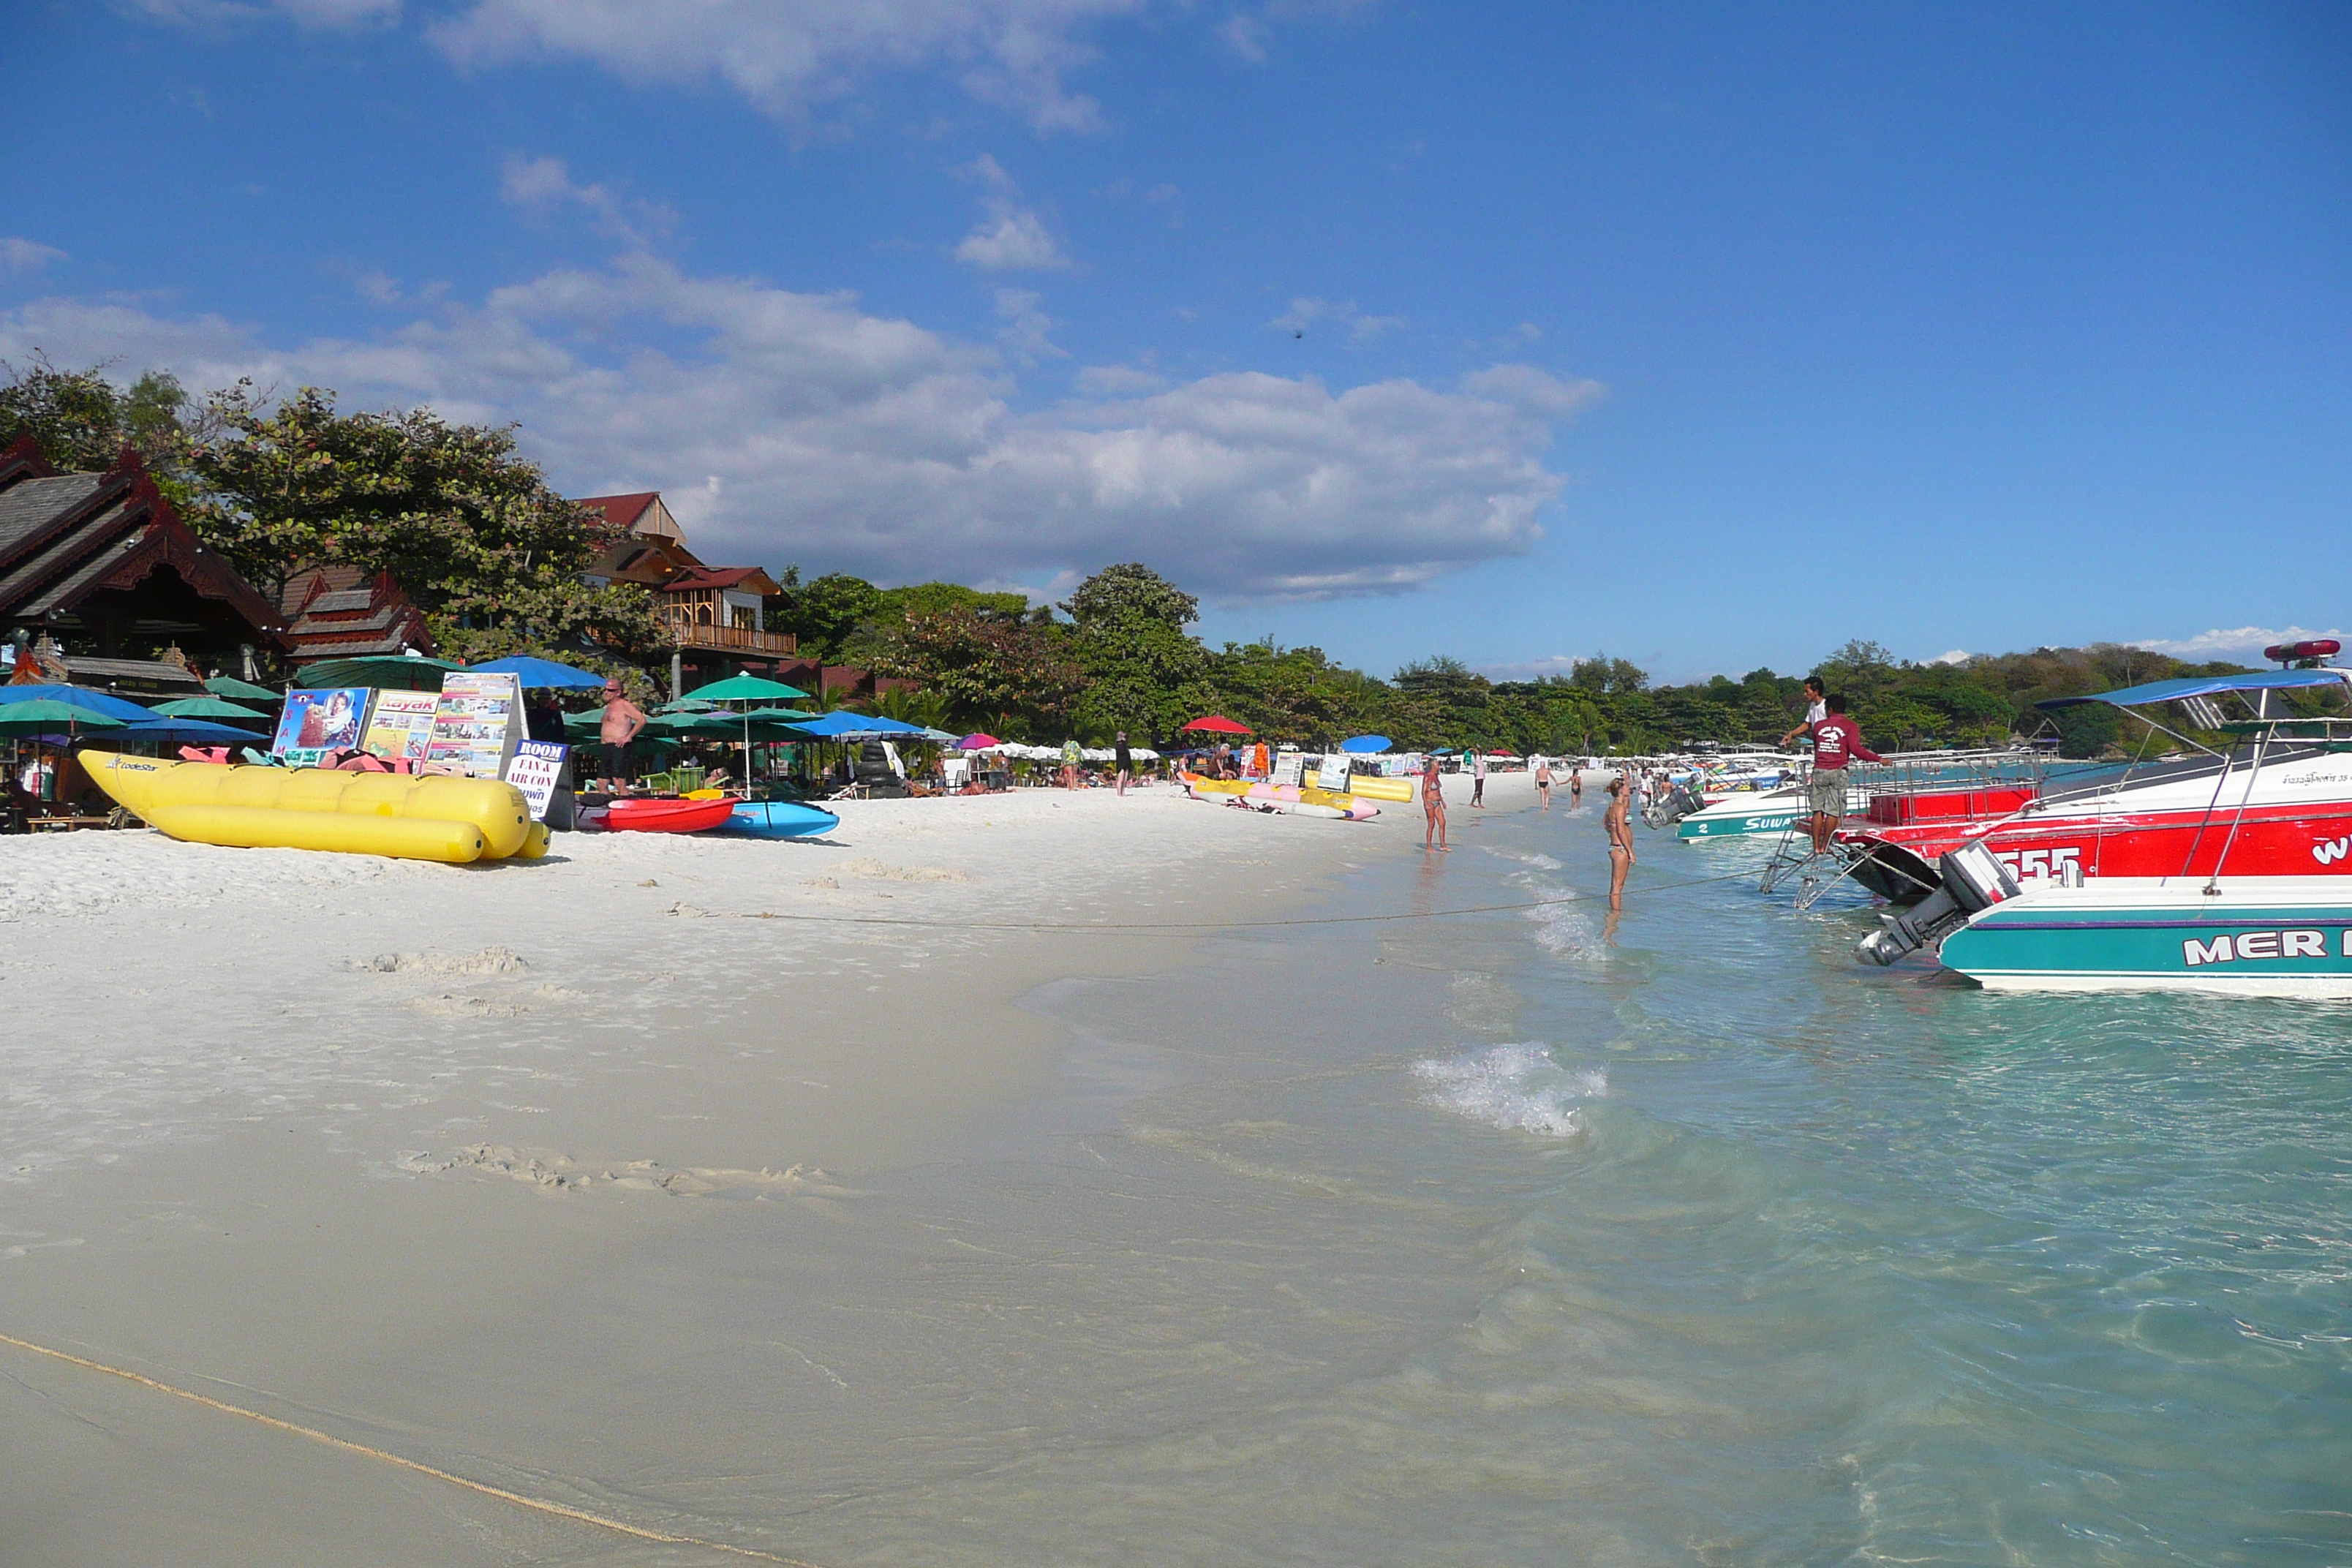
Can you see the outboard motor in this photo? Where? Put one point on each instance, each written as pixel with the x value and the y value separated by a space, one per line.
pixel 1973 881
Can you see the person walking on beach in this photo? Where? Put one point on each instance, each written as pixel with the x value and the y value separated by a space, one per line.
pixel 1433 806
pixel 1815 711
pixel 1478 780
pixel 1072 757
pixel 1543 781
pixel 1619 823
pixel 1837 741
pixel 1575 786
pixel 1124 761
pixel 616 732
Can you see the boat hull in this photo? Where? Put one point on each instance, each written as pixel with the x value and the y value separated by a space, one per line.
pixel 1772 811
pixel 2284 936
pixel 778 819
pixel 402 815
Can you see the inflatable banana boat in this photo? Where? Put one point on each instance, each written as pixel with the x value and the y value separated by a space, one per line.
pixel 409 817
pixel 1294 800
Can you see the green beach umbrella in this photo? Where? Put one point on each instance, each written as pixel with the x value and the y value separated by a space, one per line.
pixel 206 708
pixel 397 672
pixel 44 715
pixel 241 690
pixel 746 688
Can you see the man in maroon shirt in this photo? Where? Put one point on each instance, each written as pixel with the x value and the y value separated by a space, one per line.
pixel 1837 741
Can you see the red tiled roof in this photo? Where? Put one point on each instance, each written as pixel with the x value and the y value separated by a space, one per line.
pixel 622 511
pixel 712 577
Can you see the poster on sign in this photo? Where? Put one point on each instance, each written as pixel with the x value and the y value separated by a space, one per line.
pixel 476 722
pixel 401 724
pixel 535 769
pixel 317 722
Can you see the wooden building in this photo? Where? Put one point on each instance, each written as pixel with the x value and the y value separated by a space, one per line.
pixel 716 611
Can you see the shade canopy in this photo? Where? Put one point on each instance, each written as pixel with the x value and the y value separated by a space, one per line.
pixel 1364 745
pixel 205 708
pixel 2207 686
pixel 976 741
pixel 44 714
pixel 229 686
pixel 392 672
pixel 541 674
pixel 1219 723
pixel 841 724
pixel 746 688
pixel 77 696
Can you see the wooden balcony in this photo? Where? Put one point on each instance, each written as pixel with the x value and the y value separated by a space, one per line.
pixel 688 633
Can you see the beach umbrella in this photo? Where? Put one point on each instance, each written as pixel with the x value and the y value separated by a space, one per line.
pixel 540 674
pixel 746 688
pixel 687 705
pixel 1220 724
pixel 396 672
pixel 976 741
pixel 185 733
pixel 205 708
pixel 77 696
pixel 44 714
pixel 1364 745
pixel 229 686
pixel 841 724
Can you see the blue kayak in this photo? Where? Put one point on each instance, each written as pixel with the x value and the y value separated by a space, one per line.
pixel 778 819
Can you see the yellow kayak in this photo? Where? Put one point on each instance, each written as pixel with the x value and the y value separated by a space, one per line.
pixel 403 815
pixel 1372 788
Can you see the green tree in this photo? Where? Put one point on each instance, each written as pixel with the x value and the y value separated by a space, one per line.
pixel 82 420
pixel 1006 676
pixel 1128 633
pixel 826 613
pixel 472 532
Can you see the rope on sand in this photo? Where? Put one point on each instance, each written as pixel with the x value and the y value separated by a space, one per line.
pixel 536 1505
pixel 683 909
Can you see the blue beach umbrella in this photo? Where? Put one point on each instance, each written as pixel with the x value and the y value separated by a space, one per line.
pixel 80 696
pixel 540 674
pixel 841 723
pixel 1365 744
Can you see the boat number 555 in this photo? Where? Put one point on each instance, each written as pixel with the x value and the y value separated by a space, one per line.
pixel 2029 865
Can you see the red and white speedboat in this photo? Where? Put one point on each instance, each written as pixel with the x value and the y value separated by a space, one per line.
pixel 2280 806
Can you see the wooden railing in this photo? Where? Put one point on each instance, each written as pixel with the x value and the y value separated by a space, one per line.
pixel 687 632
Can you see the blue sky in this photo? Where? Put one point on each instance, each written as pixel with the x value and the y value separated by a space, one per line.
pixel 1707 336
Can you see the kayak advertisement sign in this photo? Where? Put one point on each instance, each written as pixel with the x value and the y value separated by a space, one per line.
pixel 535 769
pixel 401 726
pixel 476 722
pixel 316 721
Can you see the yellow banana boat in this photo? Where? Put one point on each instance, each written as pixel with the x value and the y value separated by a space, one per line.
pixel 403 815
pixel 1374 788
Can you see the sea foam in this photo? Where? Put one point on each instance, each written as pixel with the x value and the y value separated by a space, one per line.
pixel 1515 1087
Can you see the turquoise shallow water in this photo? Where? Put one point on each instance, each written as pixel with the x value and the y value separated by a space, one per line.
pixel 1501 1240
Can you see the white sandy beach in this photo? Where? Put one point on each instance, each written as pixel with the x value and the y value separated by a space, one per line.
pixel 329 1136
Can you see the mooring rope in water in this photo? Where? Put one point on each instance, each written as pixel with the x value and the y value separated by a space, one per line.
pixel 698 912
pixel 536 1505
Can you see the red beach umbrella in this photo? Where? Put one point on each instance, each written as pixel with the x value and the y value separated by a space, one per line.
pixel 1221 725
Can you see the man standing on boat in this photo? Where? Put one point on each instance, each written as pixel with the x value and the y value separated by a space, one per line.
pixel 1815 711
pixel 1837 741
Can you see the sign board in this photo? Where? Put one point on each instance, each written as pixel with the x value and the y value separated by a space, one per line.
pixel 476 722
pixel 402 724
pixel 1289 769
pixel 535 769
pixel 316 721
pixel 1335 772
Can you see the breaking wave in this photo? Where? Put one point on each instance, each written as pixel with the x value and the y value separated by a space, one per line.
pixel 1515 1087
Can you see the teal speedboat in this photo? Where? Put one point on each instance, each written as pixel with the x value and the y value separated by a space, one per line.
pixel 2254 936
pixel 1746 811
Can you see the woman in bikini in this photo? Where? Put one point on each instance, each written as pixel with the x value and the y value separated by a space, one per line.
pixel 1432 806
pixel 1621 840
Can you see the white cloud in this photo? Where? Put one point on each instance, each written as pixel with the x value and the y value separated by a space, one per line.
pixel 1956 656
pixel 304 13
pixel 545 185
pixel 1116 381
pixel 1304 313
pixel 1025 327
pixel 26 255
pixel 789 57
pixel 1537 392
pixel 1011 238
pixel 2240 645
pixel 841 439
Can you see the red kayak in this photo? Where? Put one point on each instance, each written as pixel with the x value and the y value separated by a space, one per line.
pixel 668 815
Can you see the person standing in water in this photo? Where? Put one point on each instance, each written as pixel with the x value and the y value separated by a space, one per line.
pixel 1124 760
pixel 1433 806
pixel 1575 786
pixel 1543 781
pixel 1619 823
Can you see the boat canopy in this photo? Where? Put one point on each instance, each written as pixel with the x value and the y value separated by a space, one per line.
pixel 2206 686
